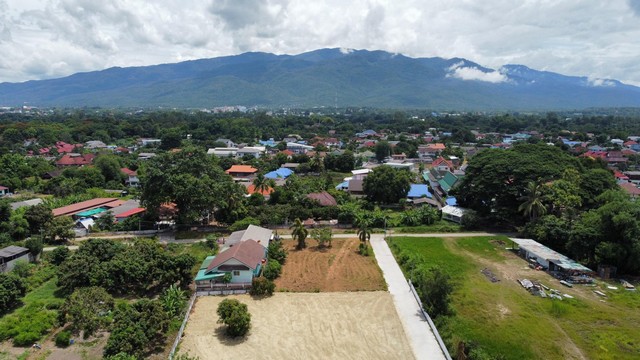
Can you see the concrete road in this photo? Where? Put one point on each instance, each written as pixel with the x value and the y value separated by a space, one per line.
pixel 420 335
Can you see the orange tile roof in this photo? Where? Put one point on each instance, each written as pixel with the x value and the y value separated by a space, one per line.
pixel 251 189
pixel 247 169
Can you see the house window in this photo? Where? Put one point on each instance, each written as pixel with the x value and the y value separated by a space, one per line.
pixel 236 272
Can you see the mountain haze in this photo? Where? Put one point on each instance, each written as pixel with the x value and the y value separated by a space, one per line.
pixel 324 78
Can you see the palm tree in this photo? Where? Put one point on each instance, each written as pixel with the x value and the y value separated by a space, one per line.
pixel 364 234
pixel 299 232
pixel 532 206
pixel 261 183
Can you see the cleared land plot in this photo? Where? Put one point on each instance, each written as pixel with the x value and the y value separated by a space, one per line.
pixel 504 319
pixel 359 325
pixel 338 268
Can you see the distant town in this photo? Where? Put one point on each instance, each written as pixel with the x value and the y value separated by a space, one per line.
pixel 127 233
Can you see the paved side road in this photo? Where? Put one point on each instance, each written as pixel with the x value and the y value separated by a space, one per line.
pixel 421 337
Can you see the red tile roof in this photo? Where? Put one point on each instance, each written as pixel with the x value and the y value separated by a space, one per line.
pixel 128 172
pixel 630 188
pixel 439 161
pixel 68 160
pixel 247 252
pixel 131 212
pixel 81 206
pixel 3 187
pixel 437 146
pixel 242 169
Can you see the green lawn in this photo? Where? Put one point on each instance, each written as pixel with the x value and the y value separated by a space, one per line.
pixel 505 321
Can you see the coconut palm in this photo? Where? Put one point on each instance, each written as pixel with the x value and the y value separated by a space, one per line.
pixel 364 234
pixel 261 183
pixel 532 207
pixel 299 232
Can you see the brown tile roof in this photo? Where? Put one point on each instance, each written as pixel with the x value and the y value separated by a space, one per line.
pixel 251 189
pixel 68 160
pixel 324 198
pixel 81 206
pixel 247 252
pixel 128 172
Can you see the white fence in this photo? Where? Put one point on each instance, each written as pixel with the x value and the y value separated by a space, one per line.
pixel 184 323
pixel 431 324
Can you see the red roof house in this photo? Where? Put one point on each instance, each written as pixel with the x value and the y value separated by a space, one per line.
pixel 75 160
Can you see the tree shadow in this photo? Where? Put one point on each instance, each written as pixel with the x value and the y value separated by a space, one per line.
pixel 226 340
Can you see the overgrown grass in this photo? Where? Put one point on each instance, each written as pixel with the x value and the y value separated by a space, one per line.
pixel 504 321
pixel 29 323
pixel 441 226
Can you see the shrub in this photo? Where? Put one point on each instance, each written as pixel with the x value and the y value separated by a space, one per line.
pixel 244 223
pixel 262 286
pixel 62 339
pixel 26 338
pixel 235 316
pixel 272 270
pixel 276 252
pixel 363 249
pixel 59 255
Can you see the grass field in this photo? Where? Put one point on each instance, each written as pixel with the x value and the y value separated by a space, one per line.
pixel 502 319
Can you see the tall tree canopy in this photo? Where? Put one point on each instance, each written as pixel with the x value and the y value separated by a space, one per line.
pixel 387 185
pixel 496 180
pixel 189 178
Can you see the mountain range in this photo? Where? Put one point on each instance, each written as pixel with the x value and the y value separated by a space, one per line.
pixel 326 77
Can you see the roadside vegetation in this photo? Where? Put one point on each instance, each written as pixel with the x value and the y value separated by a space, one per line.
pixel 503 321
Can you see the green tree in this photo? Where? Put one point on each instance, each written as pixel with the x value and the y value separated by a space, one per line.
pixel 137 328
pixel 38 217
pixel 299 233
pixel 60 229
pixel 235 316
pixel 86 310
pixel 272 269
pixel 532 207
pixel 382 150
pixel 106 222
pixel 434 287
pixel 109 166
pixel 387 185
pixel 59 255
pixel 192 180
pixel 262 184
pixel 35 246
pixel 12 289
pixel 276 251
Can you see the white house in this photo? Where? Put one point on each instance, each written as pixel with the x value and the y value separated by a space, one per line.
pixel 298 148
pixel 12 254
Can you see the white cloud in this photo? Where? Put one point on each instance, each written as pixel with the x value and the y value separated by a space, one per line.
pixel 597 82
pixel 472 73
pixel 46 38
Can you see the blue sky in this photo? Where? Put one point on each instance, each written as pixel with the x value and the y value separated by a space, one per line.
pixel 53 38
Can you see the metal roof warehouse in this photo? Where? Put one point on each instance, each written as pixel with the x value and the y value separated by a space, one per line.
pixel 548 257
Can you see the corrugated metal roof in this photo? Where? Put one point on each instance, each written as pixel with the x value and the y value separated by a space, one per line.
pixel 12 250
pixel 81 206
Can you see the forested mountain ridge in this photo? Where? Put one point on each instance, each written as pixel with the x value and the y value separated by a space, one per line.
pixel 326 77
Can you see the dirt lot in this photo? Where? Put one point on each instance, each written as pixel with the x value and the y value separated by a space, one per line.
pixel 360 325
pixel 338 268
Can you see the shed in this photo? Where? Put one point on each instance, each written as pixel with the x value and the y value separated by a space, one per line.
pixel 453 213
pixel 12 254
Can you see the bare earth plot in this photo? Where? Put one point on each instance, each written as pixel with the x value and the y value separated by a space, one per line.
pixel 338 268
pixel 357 325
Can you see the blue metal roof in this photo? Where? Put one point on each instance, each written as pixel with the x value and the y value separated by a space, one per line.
pixel 451 201
pixel 280 173
pixel 419 190
pixel 343 185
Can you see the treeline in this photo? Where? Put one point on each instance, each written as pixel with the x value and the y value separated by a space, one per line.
pixel 120 128
pixel 571 204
